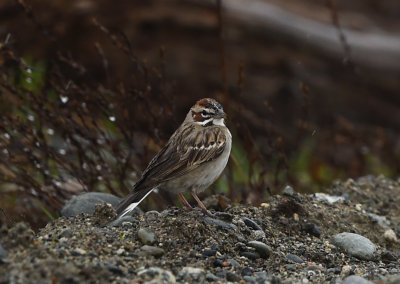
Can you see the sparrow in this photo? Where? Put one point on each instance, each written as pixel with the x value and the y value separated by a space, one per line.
pixel 193 158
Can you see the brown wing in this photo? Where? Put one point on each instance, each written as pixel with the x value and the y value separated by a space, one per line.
pixel 186 150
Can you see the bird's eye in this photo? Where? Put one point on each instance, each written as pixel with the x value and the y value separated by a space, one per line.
pixel 204 113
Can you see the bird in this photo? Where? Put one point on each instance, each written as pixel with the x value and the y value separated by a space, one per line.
pixel 193 158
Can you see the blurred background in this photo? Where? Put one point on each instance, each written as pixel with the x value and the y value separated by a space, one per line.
pixel 91 90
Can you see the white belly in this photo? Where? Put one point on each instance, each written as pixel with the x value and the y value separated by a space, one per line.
pixel 201 178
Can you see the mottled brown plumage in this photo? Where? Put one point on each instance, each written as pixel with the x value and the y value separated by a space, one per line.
pixel 198 149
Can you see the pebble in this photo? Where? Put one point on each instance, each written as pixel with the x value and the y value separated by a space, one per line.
pixel 312 229
pixel 233 262
pixel 231 276
pixel 246 271
pixel 86 203
pixel 146 236
pixel 151 250
pixel 3 255
pixel 114 268
pixel 219 223
pixel 78 251
pixel 354 279
pixel 390 236
pixel 249 279
pixel 380 220
pixel 257 235
pixel 209 252
pixel 294 258
pixel 250 255
pixel 156 275
pixel 251 224
pixel 330 199
pixel 261 248
pixel 192 274
pixel 288 191
pixel 66 233
pixel 355 245
pixel 211 277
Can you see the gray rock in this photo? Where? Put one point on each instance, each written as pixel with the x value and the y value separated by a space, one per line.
pixel 219 223
pixel 66 233
pixel 86 202
pixel 380 220
pixel 393 279
pixel 156 274
pixel 233 262
pixel 151 250
pixel 3 255
pixel 288 191
pixel 261 248
pixel 294 258
pixel 192 274
pixel 355 245
pixel 231 276
pixel 250 255
pixel 330 199
pixel 251 224
pixel 354 279
pixel 249 279
pixel 211 277
pixel 146 236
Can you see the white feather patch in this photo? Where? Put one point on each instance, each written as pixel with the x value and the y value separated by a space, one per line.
pixel 133 206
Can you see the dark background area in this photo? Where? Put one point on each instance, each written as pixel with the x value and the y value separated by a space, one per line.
pixel 90 91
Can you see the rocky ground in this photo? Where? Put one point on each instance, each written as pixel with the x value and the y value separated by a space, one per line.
pixel 347 236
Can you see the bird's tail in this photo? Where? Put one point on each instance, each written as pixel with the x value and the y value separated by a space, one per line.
pixel 131 201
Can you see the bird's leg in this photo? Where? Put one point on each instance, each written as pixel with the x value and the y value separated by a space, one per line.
pixel 184 202
pixel 201 205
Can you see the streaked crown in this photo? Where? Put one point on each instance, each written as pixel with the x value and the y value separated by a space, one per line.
pixel 207 112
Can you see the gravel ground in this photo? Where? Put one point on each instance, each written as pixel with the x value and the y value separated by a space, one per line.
pixel 290 238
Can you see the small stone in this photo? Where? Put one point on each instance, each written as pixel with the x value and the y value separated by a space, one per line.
pixel 257 235
pixel 265 205
pixel 380 220
pixel 288 191
pixel 354 279
pixel 249 279
pixel 3 255
pixel 251 224
pixel 211 277
pixel 390 236
pixel 355 245
pixel 358 207
pixel 312 229
pixel 151 250
pixel 209 252
pixel 146 236
pixel 294 258
pixel 261 248
pixel 246 271
pixel 233 262
pixel 86 203
pixel 78 251
pixel 231 276
pixel 120 251
pixel 156 275
pixel 192 274
pixel 250 255
pixel 219 223
pixel 66 233
pixel 346 269
pixel 330 199
pixel 290 267
pixel 221 274
pixel 114 268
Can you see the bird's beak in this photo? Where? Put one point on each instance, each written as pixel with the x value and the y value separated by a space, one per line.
pixel 221 115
